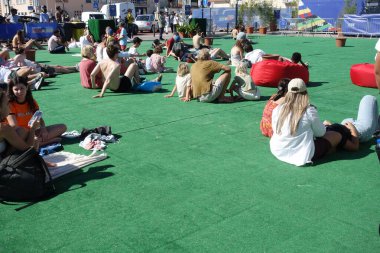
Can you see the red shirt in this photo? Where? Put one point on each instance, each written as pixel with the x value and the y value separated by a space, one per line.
pixel 86 66
pixel 169 44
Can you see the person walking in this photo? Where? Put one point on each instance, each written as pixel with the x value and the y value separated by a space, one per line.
pixel 161 24
pixel 171 21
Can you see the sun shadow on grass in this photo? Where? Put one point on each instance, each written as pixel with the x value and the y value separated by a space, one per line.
pixel 79 178
pixel 342 155
pixel 315 84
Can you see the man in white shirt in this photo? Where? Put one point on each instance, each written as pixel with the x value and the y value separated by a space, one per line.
pixel 13 18
pixel 254 56
pixel 44 17
pixel 55 45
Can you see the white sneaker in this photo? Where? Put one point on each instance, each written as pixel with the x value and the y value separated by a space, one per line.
pixel 38 83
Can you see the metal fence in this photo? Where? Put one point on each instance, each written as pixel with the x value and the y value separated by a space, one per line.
pixel 224 20
pixel 369 27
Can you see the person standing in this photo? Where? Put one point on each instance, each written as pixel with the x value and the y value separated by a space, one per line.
pixel 122 37
pixel 161 24
pixel 44 17
pixel 129 19
pixel 13 18
pixel 167 22
pixel 171 20
pixel 58 14
pixel 175 22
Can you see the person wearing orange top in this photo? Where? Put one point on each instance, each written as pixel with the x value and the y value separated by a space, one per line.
pixel 12 138
pixel 22 107
pixel 273 102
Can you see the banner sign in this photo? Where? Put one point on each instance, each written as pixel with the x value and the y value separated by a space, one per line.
pixel 7 31
pixel 365 24
pixel 40 30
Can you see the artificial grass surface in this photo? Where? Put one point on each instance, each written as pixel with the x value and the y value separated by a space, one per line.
pixel 194 177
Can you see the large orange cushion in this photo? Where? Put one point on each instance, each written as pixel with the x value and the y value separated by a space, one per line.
pixel 270 72
pixel 363 74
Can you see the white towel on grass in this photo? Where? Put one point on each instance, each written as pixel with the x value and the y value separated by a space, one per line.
pixel 68 162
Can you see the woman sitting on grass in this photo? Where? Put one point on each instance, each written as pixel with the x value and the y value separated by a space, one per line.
pixel 299 136
pixel 13 138
pixel 86 66
pixel 237 53
pixel 22 106
pixel 243 85
pixel 18 41
pixel 273 102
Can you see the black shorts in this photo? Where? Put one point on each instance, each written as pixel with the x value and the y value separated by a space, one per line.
pixel 322 147
pixel 125 85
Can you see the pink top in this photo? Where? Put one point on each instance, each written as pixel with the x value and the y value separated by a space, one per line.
pixel 86 66
pixel 157 63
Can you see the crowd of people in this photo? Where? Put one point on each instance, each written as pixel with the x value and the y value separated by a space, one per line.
pixel 298 136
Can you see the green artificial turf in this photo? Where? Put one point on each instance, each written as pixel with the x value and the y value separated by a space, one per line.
pixel 194 177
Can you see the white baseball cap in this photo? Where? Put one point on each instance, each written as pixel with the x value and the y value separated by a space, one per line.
pixel 296 85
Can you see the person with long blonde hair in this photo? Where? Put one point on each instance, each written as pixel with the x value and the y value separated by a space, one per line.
pixel 299 136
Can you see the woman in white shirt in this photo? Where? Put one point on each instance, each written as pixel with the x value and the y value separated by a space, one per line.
pixel 299 136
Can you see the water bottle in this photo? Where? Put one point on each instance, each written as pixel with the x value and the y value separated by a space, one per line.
pixel 36 116
pixel 378 148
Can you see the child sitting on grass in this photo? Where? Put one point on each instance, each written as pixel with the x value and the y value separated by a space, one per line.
pixel 22 107
pixel 158 61
pixel 182 83
pixel 148 63
pixel 243 84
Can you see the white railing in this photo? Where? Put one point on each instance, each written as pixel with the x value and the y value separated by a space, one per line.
pixel 347 26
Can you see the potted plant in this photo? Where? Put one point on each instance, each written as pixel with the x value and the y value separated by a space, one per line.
pixel 266 13
pixel 250 7
pixel 182 30
pixel 191 30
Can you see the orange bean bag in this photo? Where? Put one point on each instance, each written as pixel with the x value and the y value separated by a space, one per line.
pixel 363 74
pixel 269 72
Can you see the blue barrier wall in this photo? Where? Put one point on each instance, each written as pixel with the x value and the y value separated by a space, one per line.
pixel 40 30
pixel 7 31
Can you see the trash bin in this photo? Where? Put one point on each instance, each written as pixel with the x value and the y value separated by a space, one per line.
pixel 67 29
pixel 78 29
pixel 97 27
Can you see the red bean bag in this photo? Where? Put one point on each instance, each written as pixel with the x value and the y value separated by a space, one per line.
pixel 363 74
pixel 270 72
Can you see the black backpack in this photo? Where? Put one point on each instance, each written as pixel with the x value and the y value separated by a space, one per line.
pixel 25 177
